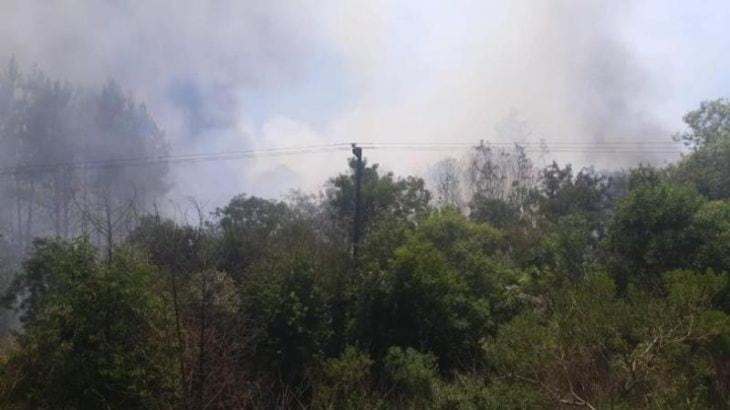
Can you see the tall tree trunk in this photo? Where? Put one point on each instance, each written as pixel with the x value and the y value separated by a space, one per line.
pixel 29 219
pixel 85 204
pixel 109 230
pixel 57 205
pixel 201 344
pixel 179 335
pixel 65 217
pixel 19 214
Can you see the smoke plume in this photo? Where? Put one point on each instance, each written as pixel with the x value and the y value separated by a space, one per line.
pixel 232 75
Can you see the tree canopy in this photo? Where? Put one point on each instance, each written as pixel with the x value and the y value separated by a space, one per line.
pixel 515 287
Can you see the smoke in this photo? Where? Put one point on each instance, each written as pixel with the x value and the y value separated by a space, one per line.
pixel 561 64
pixel 231 75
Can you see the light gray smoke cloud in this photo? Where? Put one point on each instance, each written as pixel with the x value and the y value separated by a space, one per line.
pixel 187 60
pixel 451 73
pixel 230 75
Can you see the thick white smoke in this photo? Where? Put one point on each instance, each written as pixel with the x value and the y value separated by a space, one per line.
pixel 231 75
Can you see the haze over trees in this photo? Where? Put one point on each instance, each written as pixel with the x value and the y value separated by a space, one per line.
pixel 508 286
pixel 47 127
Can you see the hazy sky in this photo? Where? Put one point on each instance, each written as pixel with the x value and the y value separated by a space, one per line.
pixel 232 75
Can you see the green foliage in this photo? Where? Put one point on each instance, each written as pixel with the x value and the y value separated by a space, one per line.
pixel 707 169
pixel 495 212
pixel 172 248
pixel 569 250
pixel 411 374
pixel 478 253
pixel 249 226
pixel 644 175
pixel 345 382
pixel 387 234
pixel 47 268
pixel 571 218
pixel 96 336
pixel 449 231
pixel 593 347
pixel 563 194
pixel 708 134
pixel 381 195
pixel 442 290
pixel 212 337
pixel 708 124
pixel 566 297
pixel 285 304
pixel 418 299
pixel 712 225
pixel 7 268
pixel 650 233
pixel 469 392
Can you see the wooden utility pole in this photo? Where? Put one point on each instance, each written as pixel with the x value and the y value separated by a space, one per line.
pixel 357 152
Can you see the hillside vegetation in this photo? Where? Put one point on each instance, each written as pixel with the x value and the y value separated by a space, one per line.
pixel 520 288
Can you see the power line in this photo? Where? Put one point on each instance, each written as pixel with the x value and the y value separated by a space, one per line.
pixel 512 143
pixel 550 150
pixel 170 159
pixel 602 147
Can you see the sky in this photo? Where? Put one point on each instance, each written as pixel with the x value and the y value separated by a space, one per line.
pixel 231 75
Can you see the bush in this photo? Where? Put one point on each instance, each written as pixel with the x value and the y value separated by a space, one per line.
pixel 345 382
pixel 286 308
pixel 410 374
pixel 97 335
pixel 470 392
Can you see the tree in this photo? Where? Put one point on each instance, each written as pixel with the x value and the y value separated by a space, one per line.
pixel 650 233
pixel 215 340
pixel 562 194
pixel 286 306
pixel 571 217
pixel 500 175
pixel 441 291
pixel 381 195
pixel 707 125
pixel 707 167
pixel 346 382
pixel 45 271
pixel 173 248
pixel 249 226
pixel 711 225
pixel 412 375
pixel 495 212
pixel 625 352
pixel 8 266
pixel 47 130
pixel 447 175
pixel 97 335
pixel 123 128
pixel 570 250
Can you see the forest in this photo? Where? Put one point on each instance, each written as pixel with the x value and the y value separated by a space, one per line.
pixel 499 285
